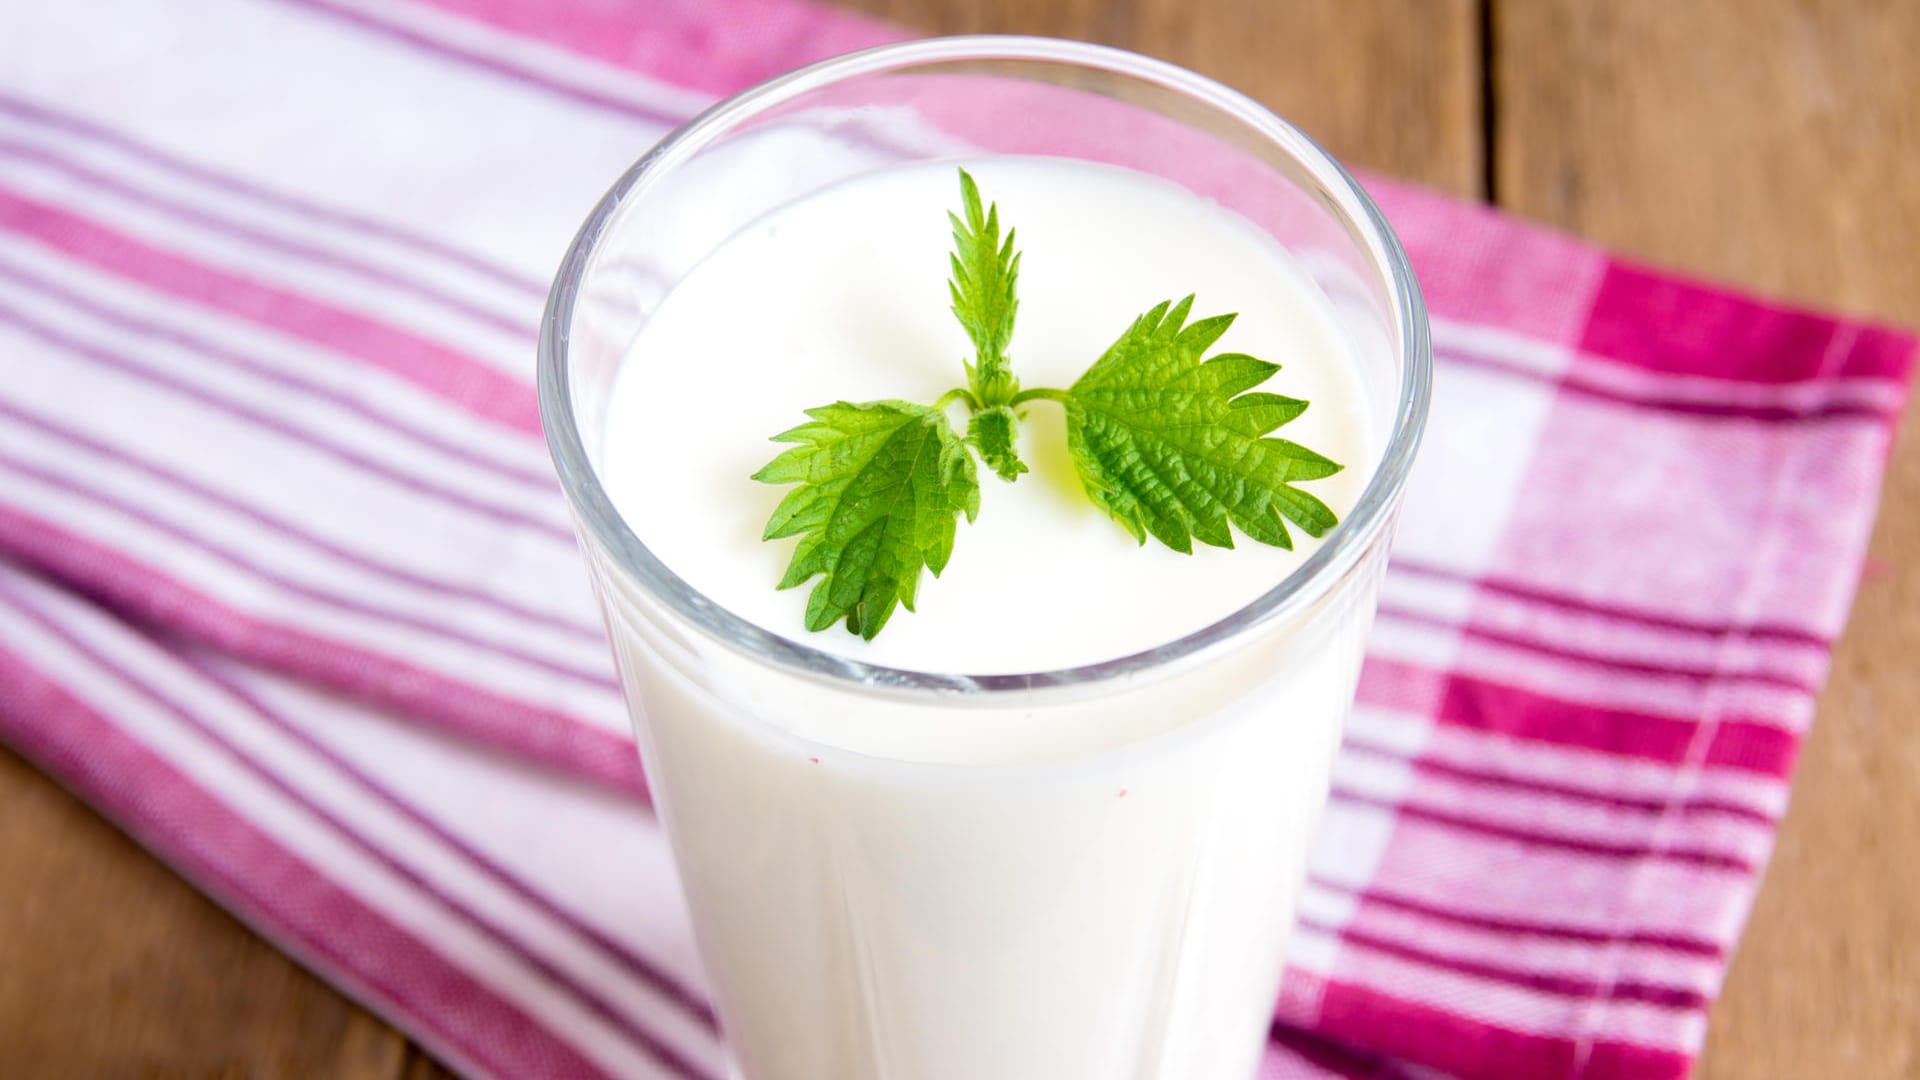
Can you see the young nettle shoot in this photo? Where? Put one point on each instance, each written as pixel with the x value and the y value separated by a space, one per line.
pixel 1169 442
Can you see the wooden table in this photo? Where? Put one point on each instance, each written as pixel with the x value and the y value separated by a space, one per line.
pixel 1772 143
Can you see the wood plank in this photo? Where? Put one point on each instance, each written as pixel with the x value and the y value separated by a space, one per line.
pixel 1775 144
pixel 113 966
pixel 422 1066
pixel 1389 85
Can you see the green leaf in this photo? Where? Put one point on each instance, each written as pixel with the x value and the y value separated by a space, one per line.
pixel 881 488
pixel 991 431
pixel 1163 445
pixel 982 287
pixel 1167 443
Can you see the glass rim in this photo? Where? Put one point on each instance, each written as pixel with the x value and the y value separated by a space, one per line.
pixel 1342 548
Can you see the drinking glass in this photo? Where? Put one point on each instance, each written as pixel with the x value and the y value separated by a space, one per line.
pixel 882 885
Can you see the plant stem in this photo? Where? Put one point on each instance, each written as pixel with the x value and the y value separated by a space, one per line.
pixel 1038 393
pixel 958 393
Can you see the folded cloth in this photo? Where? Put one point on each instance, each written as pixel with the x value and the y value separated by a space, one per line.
pixel 287 588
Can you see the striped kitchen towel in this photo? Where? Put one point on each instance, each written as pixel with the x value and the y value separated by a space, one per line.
pixel 287 588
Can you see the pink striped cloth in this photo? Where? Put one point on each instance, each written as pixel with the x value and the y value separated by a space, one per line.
pixel 287 587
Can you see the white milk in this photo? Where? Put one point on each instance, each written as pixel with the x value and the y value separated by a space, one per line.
pixel 1089 885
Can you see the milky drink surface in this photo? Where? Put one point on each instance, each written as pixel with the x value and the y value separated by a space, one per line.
pixel 1093 884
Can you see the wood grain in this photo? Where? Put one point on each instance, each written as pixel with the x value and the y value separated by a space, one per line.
pixel 1770 143
pixel 1392 85
pixel 112 966
pixel 1776 144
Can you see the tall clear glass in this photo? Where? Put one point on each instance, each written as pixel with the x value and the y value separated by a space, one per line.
pixel 891 894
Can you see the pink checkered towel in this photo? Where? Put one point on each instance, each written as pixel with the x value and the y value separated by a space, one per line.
pixel 287 587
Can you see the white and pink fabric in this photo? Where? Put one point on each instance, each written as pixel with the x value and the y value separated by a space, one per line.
pixel 287 588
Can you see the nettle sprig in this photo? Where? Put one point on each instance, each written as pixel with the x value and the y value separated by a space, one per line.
pixel 1169 443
